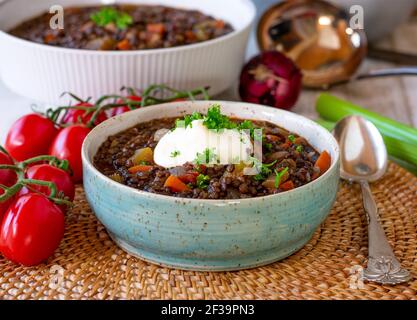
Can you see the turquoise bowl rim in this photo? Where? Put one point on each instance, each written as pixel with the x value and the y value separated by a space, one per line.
pixel 86 160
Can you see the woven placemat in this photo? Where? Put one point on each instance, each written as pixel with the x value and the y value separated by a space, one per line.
pixel 88 265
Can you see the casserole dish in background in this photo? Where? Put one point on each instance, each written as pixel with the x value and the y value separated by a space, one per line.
pixel 211 234
pixel 41 72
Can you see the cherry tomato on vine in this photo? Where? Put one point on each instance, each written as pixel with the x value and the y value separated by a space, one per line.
pixel 4 205
pixel 75 116
pixel 46 172
pixel 30 136
pixel 8 177
pixel 134 98
pixel 67 145
pixel 31 230
pixel 120 110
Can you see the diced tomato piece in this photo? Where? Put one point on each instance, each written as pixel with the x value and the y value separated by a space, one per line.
pixel 189 177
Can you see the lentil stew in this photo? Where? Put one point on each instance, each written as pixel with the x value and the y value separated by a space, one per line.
pixel 123 27
pixel 288 162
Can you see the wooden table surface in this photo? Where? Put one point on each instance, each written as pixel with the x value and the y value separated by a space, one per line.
pixel 393 97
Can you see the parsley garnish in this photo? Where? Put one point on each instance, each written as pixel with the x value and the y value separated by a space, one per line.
pixel 203 181
pixel 278 176
pixel 175 153
pixel 110 15
pixel 214 120
pixel 263 169
pixel 299 148
pixel 291 137
pixel 206 157
pixel 217 121
pixel 268 146
pixel 188 119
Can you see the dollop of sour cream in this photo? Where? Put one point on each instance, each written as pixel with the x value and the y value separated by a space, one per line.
pixel 181 145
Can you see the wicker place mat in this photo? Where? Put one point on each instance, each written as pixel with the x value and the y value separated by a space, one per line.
pixel 88 265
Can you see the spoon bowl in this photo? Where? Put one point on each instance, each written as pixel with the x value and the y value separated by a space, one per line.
pixel 363 152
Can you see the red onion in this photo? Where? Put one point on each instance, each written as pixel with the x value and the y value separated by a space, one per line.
pixel 271 79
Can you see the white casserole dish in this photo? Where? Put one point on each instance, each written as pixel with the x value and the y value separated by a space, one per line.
pixel 42 72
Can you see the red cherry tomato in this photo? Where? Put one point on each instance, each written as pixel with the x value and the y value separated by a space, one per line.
pixel 67 145
pixel 30 136
pixel 120 110
pixel 4 205
pixel 46 172
pixel 31 230
pixel 75 116
pixel 7 177
pixel 134 98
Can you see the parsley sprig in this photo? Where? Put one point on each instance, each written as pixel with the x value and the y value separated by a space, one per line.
pixel 203 181
pixel 263 169
pixel 188 119
pixel 214 120
pixel 110 15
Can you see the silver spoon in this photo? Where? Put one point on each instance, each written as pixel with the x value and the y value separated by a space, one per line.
pixel 364 159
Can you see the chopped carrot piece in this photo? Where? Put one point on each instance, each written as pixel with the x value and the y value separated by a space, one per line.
pixel 156 28
pixel 175 184
pixel 124 45
pixel 140 168
pixel 49 38
pixel 220 24
pixel 272 137
pixel 323 162
pixel 288 185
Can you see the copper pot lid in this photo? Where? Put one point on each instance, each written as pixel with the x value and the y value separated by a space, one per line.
pixel 317 37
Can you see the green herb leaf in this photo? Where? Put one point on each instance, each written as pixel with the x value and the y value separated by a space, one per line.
pixel 175 153
pixel 203 181
pixel 206 157
pixel 217 121
pixel 299 148
pixel 278 176
pixel 110 15
pixel 268 146
pixel 291 137
pixel 188 119
pixel 263 169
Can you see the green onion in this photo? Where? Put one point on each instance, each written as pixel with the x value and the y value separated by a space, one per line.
pixel 334 109
pixel 278 176
pixel 397 149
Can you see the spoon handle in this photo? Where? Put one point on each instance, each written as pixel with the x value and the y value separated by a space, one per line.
pixel 383 267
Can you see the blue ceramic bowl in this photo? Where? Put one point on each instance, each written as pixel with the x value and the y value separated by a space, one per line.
pixel 213 235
